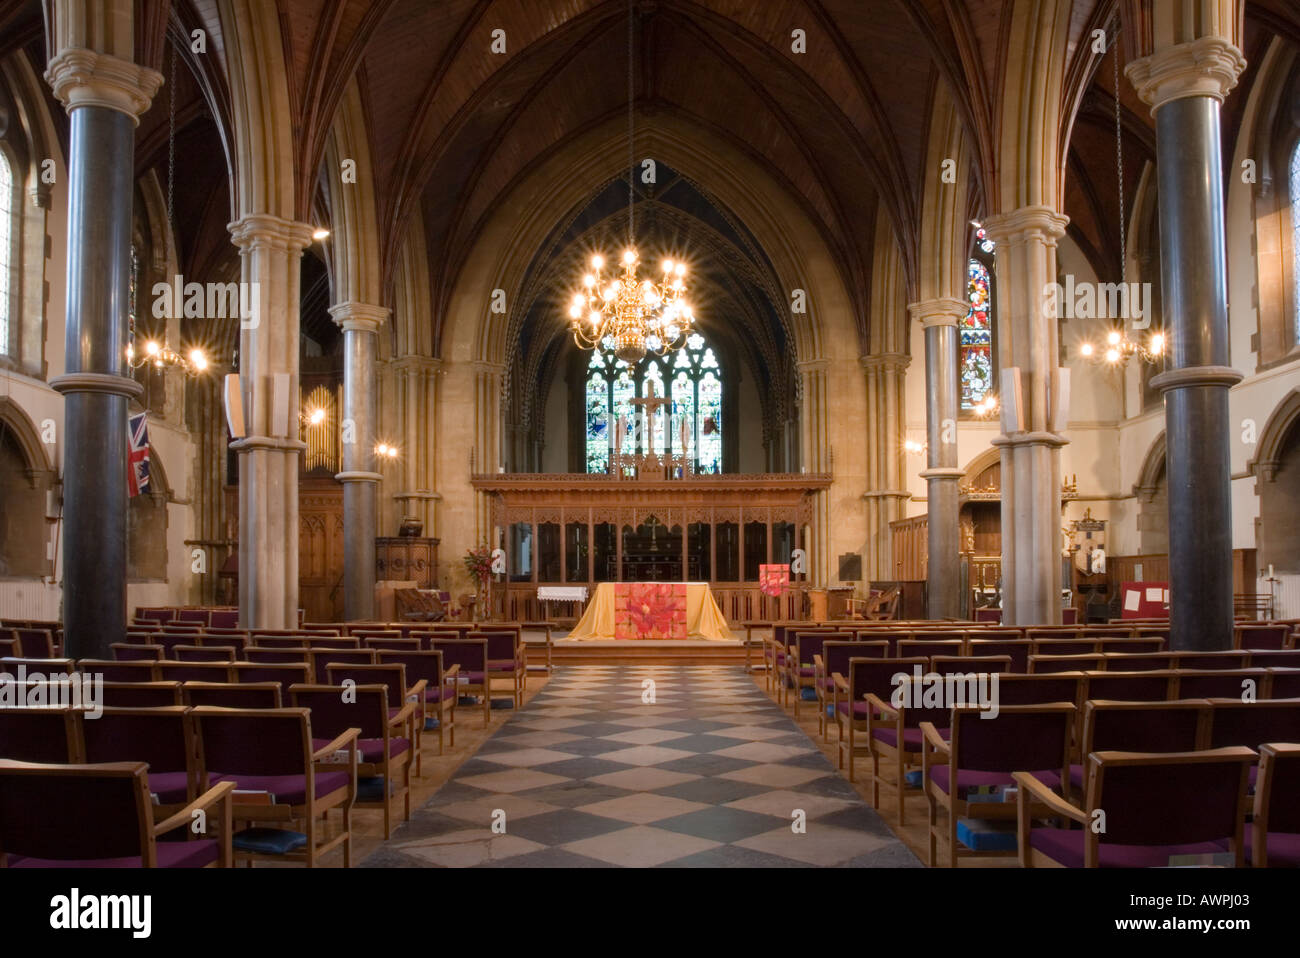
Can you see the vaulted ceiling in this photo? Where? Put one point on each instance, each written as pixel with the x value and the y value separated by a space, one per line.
pixel 453 126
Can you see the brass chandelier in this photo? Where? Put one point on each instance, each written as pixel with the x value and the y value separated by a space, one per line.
pixel 629 315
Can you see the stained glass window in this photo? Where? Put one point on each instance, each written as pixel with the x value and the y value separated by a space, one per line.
pixel 1295 235
pixel 690 378
pixel 975 363
pixel 7 207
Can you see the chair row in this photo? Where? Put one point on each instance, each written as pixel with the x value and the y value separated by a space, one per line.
pixel 291 765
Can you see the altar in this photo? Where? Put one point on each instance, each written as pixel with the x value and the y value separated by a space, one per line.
pixel 652 610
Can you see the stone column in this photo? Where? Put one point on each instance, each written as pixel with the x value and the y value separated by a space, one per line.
pixel 939 317
pixel 1185 84
pixel 104 97
pixel 886 490
pixel 813 458
pixel 359 322
pixel 270 250
pixel 417 389
pixel 1030 442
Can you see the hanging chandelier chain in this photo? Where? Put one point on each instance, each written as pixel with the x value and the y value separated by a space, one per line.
pixel 1119 164
pixel 631 157
pixel 171 144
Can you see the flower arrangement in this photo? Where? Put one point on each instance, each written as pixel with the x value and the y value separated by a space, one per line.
pixel 478 563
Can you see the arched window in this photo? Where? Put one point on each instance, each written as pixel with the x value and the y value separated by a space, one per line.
pixel 1295 236
pixel 975 331
pixel 8 209
pixel 690 377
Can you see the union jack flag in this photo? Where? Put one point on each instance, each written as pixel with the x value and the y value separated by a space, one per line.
pixel 137 460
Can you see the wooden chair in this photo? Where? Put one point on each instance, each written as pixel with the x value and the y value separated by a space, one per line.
pixel 322 658
pixel 982 758
pixel 204 653
pixel 131 652
pixel 1160 810
pixel 506 659
pixel 469 656
pixel 283 674
pixel 1273 837
pixel 230 695
pixel 834 661
pixel 140 695
pixel 386 740
pixel 1179 726
pixel 135 670
pixel 279 775
pixel 45 735
pixel 101 816
pixel 392 675
pixel 274 655
pixel 440 691
pixel 894 734
pixel 1229 683
pixel 849 700
pixel 195 671
pixel 162 737
pixel 1018 649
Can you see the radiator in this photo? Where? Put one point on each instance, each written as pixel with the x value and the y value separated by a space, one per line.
pixel 29 599
pixel 1286 593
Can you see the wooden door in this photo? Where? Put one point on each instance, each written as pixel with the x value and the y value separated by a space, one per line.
pixel 320 549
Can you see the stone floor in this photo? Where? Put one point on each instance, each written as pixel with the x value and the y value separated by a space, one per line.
pixel 601 769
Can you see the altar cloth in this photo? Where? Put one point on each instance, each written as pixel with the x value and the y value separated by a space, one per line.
pixel 656 612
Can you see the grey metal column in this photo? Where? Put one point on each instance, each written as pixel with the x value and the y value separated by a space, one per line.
pixel 1197 430
pixel 943 545
pixel 359 323
pixel 96 392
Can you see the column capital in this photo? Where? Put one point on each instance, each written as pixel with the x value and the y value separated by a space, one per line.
pixel 255 230
pixel 359 476
pixel 426 364
pixel 81 77
pixel 1206 66
pixel 940 473
pixel 813 365
pixel 1042 438
pixel 886 494
pixel 483 366
pixel 97 383
pixel 359 317
pixel 1040 223
pixel 938 312
pixel 1189 376
pixel 891 362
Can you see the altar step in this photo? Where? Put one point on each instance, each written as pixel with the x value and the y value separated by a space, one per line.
pixel 644 652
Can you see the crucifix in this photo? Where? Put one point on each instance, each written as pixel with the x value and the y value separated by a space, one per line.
pixel 650 405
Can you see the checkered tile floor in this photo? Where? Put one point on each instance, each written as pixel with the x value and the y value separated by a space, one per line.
pixel 708 774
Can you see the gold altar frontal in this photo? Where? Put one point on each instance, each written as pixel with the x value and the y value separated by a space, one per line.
pixel 603 618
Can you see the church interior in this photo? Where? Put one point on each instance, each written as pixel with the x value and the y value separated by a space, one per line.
pixel 649 433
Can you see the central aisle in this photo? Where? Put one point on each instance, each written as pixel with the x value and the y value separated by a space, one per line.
pixel 593 773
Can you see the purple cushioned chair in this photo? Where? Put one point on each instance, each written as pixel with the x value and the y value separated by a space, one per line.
pixel 257 653
pixel 46 735
pixel 834 660
pixel 335 642
pixel 283 673
pixel 1273 838
pixel 1139 662
pixel 193 616
pixel 1045 664
pixel 270 757
pixel 1284 683
pixel 172 671
pixel 799 670
pixel 849 699
pixel 470 658
pixel 1063 646
pixel 1136 686
pixel 988 615
pixel 1140 646
pixel 1281 659
pixel 229 695
pixel 391 642
pixel 894 734
pixel 263 640
pixel 1212 661
pixel 928 648
pixel 141 695
pixel 223 619
pixel 1160 810
pixel 163 738
pixel 136 670
pixel 320 658
pixel 951 664
pixel 384 747
pixel 1182 725
pixel 158 615
pixel 1269 637
pixel 204 653
pixel 1251 724
pixel 401 692
pixel 440 692
pixel 101 816
pixel 1230 683
pixel 128 652
pixel 1018 649
pixel 506 659
pixel 35 643
pixel 982 754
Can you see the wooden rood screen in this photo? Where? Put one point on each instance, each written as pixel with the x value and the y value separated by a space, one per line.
pixel 579 529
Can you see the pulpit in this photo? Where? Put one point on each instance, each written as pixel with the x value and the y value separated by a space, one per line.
pixel 411 558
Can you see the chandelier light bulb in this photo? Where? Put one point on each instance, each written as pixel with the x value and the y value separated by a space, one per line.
pixel 668 266
pixel 199 361
pixel 1085 349
pixel 317 417
pixel 589 281
pixel 1157 343
pixel 629 257
pixel 1112 355
pixel 594 317
pixel 597 261
pixel 1113 338
pixel 151 348
pixel 680 269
